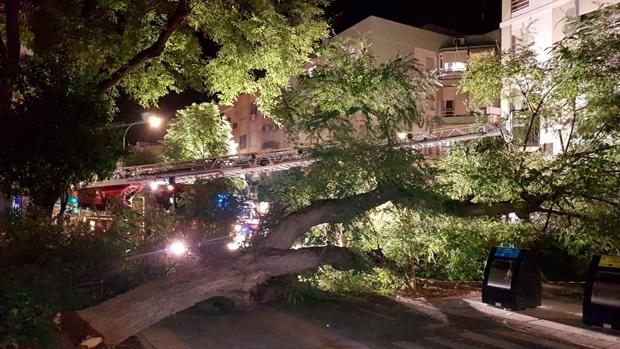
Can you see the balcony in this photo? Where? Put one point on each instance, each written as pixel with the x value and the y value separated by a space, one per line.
pixel 452 70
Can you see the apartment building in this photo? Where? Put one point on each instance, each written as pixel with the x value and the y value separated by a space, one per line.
pixel 541 23
pixel 444 52
pixel 252 131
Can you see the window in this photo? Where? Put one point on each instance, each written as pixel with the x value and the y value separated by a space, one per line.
pixel 268 128
pixel 455 66
pixel 253 138
pixel 243 142
pixel 449 108
pixel 254 109
pixel 516 5
pixel 234 125
pixel 271 145
pixel 430 63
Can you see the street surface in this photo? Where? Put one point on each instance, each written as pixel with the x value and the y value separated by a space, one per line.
pixel 457 323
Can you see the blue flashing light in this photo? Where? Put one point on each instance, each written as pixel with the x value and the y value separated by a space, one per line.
pixel 17 203
pixel 245 230
pixel 223 200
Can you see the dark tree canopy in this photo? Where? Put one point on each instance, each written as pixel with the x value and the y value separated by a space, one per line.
pixel 65 62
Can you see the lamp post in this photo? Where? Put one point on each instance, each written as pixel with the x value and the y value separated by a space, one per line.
pixel 153 121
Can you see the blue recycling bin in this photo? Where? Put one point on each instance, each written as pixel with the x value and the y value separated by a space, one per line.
pixel 512 279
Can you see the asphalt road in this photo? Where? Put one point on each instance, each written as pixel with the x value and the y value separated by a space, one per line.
pixel 369 323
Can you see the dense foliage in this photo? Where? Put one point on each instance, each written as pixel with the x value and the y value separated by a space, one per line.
pixel 58 136
pixel 347 94
pixel 198 132
pixel 47 267
pixel 574 95
pixel 487 192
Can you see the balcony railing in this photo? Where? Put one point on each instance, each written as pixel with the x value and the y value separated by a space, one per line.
pixel 450 74
pixel 452 70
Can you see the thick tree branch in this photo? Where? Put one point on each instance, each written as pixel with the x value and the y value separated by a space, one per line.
pixel 123 316
pixel 521 208
pixel 174 23
pixel 294 225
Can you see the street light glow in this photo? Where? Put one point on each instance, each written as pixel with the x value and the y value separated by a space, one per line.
pixel 154 121
pixel 177 248
pixel 232 246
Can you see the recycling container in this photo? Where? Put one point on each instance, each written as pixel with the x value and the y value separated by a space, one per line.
pixel 512 279
pixel 601 299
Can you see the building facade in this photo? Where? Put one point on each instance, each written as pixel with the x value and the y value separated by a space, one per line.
pixel 445 53
pixel 541 23
pixel 252 131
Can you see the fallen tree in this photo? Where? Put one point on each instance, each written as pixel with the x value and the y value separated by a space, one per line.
pixel 575 190
pixel 236 276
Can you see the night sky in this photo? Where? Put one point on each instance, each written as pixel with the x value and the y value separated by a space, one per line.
pixel 465 16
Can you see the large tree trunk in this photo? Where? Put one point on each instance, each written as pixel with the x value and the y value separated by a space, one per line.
pixel 123 316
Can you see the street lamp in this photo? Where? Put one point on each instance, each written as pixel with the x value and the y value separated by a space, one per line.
pixel 154 121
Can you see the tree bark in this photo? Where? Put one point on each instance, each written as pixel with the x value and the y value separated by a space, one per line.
pixel 294 225
pixel 174 23
pixel 123 316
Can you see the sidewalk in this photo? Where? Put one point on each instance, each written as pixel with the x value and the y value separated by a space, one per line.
pixel 558 316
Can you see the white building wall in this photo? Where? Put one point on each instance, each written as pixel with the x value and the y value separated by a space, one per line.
pixel 542 23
